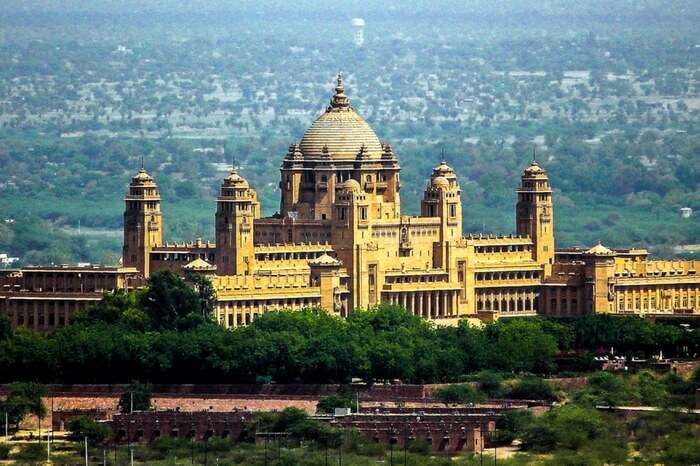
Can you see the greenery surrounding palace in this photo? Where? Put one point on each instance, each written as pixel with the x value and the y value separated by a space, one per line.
pixel 86 90
pixel 163 333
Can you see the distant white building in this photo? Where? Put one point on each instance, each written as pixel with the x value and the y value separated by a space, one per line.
pixel 358 24
pixel 686 212
pixel 5 260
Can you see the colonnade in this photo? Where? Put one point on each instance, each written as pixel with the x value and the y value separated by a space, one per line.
pixel 564 300
pixel 653 298
pixel 43 315
pixel 427 304
pixel 242 312
pixel 507 299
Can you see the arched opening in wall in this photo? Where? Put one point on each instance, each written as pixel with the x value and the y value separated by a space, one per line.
pixel 175 433
pixel 155 434
pixel 513 305
pixel 488 305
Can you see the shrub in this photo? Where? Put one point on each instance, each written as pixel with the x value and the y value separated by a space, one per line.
pixel 82 427
pixel 4 451
pixel 603 389
pixel 327 404
pixel 512 425
pixel 569 427
pixel 140 394
pixel 490 382
pixel 32 453
pixel 458 393
pixel 651 391
pixel 419 446
pixel 531 388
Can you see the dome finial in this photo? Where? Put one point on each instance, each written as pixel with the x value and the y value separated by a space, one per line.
pixel 339 100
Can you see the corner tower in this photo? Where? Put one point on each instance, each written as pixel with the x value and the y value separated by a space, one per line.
pixel 535 214
pixel 236 208
pixel 441 198
pixel 143 222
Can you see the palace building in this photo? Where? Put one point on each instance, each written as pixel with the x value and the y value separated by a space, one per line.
pixel 341 242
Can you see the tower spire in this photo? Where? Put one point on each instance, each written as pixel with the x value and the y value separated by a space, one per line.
pixel 339 100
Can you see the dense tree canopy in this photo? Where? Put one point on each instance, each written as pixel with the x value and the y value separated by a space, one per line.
pixel 159 334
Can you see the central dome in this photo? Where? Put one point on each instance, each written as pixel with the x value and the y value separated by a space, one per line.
pixel 341 131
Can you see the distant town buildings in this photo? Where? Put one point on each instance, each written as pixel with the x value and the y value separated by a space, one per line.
pixel 341 242
pixel 5 260
pixel 686 212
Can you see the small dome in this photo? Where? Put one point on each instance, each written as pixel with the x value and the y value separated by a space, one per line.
pixel 445 171
pixel 534 169
pixel 326 260
pixel 234 179
pixel 599 250
pixel 441 182
pixel 199 264
pixel 351 186
pixel 142 177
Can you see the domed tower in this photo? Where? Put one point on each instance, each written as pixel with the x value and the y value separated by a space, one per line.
pixel 441 198
pixel 236 208
pixel 338 146
pixel 143 222
pixel 535 214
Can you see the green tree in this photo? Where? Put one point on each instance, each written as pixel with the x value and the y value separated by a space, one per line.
pixel 23 398
pixel 458 393
pixel 136 396
pixel 512 425
pixel 521 346
pixel 530 388
pixel 206 294
pixel 5 327
pixel 82 427
pixel 327 404
pixel 490 382
pixel 170 303
pixel 604 389
pixel 569 427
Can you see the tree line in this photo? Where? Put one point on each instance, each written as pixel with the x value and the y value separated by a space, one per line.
pixel 165 334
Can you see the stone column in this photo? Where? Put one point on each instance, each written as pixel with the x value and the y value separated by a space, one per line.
pixel 413 303
pixel 35 310
pixel 420 303
pixel 428 310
